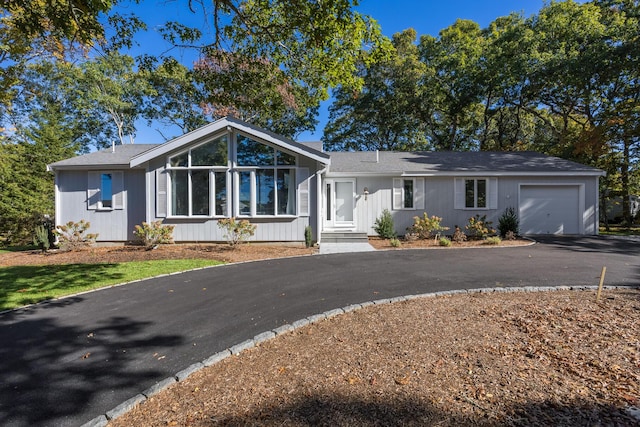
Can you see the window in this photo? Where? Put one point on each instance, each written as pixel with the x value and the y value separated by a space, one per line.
pixel 198 182
pixel 408 193
pixel 105 190
pixel 475 193
pixel 198 179
pixel 266 178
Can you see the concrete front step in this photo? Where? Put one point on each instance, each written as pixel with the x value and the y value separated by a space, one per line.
pixel 344 237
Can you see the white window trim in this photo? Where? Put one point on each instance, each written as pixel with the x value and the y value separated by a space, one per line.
pixel 460 202
pixel 253 202
pixel 94 189
pixel 398 194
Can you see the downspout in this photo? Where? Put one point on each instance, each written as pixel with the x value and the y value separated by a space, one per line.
pixel 319 202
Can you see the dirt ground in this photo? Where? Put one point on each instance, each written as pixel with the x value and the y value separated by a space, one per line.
pixel 556 358
pixel 553 358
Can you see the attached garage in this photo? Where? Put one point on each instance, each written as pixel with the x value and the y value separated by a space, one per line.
pixel 551 209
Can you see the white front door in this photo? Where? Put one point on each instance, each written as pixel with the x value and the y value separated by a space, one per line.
pixel 339 203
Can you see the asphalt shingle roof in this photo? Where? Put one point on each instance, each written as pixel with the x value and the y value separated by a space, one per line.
pixel 395 162
pixel 120 157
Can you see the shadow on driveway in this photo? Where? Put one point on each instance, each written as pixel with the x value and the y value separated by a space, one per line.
pixel 625 245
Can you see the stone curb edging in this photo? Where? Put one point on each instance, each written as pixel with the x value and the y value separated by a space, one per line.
pixel 126 406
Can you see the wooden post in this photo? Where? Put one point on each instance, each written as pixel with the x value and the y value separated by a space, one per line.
pixel 604 270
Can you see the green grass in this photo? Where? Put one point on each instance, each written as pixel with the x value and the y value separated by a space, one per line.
pixel 617 230
pixel 28 284
pixel 5 249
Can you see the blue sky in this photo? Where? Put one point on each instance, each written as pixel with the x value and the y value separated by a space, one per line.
pixel 425 16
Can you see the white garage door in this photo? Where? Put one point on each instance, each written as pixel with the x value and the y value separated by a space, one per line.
pixel 550 209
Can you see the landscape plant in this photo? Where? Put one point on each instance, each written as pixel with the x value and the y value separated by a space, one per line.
pixel 508 222
pixel 395 242
pixel 493 240
pixel 153 234
pixel 479 228
pixel 41 238
pixel 444 242
pixel 73 236
pixel 236 231
pixel 458 235
pixel 384 226
pixel 426 227
pixel 308 236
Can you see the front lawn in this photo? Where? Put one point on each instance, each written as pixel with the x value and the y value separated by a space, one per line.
pixel 618 230
pixel 27 284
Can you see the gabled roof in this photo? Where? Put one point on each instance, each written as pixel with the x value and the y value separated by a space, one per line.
pixel 472 163
pixel 117 157
pixel 227 122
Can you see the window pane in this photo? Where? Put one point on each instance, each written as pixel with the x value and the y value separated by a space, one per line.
pixel 179 192
pixel 106 190
pixel 286 192
pixel 253 153
pixel 221 193
pixel 179 160
pixel 328 201
pixel 408 193
pixel 212 153
pixel 245 193
pixel 265 192
pixel 482 193
pixel 285 159
pixel 200 192
pixel 469 193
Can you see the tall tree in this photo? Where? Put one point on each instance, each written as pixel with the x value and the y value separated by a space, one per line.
pixel 454 85
pixel 381 116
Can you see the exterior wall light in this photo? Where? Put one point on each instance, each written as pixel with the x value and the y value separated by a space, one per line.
pixel 366 192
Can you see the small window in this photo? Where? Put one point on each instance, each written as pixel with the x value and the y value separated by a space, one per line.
pixel 106 191
pixel 408 194
pixel 475 193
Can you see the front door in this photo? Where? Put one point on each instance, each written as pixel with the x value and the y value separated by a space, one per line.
pixel 339 203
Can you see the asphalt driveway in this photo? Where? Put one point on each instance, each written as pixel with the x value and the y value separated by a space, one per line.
pixel 65 362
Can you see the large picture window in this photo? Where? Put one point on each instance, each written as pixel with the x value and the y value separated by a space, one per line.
pixel 199 179
pixel 267 179
pixel 263 179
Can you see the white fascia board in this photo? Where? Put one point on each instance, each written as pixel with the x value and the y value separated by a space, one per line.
pixel 360 174
pixel 228 124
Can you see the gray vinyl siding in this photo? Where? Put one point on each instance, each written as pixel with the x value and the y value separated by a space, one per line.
pixel 439 201
pixel 112 226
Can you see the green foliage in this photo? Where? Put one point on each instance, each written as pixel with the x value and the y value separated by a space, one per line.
pixel 153 234
pixel 458 235
pixel 308 236
pixel 384 226
pixel 41 238
pixel 426 227
pixel 395 242
pixel 479 228
pixel 73 236
pixel 508 222
pixel 493 240
pixel 21 285
pixel 444 242
pixel 236 231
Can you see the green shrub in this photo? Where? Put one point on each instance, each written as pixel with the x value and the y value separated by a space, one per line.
pixel 308 236
pixel 444 242
pixel 236 231
pixel 41 238
pixel 73 235
pixel 494 240
pixel 508 222
pixel 383 225
pixel 426 227
pixel 153 234
pixel 458 235
pixel 395 242
pixel 479 228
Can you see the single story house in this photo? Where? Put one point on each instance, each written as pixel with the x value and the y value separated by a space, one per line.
pixel 231 168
